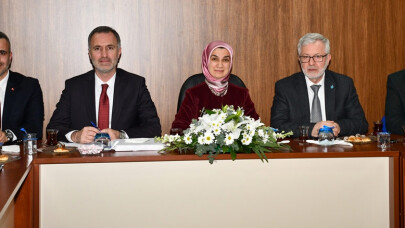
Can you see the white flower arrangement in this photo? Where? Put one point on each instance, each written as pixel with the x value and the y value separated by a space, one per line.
pixel 225 130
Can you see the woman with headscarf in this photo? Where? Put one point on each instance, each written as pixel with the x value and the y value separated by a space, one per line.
pixel 216 91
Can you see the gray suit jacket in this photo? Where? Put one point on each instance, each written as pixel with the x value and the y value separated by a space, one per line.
pixel 291 104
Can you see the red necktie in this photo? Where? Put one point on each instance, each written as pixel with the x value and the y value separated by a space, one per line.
pixel 103 108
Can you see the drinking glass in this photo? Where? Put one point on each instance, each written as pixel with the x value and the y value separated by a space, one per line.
pixel 383 140
pixel 52 137
pixel 303 133
pixel 176 131
pixel 30 143
pixel 377 127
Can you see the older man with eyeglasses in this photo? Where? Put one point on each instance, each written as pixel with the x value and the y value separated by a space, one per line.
pixel 316 96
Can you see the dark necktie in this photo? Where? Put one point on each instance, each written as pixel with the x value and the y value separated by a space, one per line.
pixel 316 114
pixel 103 108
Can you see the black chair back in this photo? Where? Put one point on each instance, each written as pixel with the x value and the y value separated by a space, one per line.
pixel 199 78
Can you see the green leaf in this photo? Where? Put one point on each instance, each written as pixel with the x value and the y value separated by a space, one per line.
pixel 260 152
pixel 233 155
pixel 231 117
pixel 209 112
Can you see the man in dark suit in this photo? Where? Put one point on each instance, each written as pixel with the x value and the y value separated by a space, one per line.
pixel 21 100
pixel 316 97
pixel 116 100
pixel 395 102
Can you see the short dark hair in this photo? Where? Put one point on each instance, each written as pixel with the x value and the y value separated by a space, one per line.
pixel 4 36
pixel 105 29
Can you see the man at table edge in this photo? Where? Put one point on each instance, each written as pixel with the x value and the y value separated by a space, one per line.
pixel 395 102
pixel 117 101
pixel 22 104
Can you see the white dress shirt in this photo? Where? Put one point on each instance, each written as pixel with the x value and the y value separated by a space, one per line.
pixel 321 95
pixel 110 93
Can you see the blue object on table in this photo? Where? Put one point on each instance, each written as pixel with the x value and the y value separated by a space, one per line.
pixel 93 124
pixel 326 133
pixel 384 127
pixel 103 138
pixel 23 130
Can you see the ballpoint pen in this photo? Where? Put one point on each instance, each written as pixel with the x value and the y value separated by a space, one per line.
pixel 94 125
pixel 23 130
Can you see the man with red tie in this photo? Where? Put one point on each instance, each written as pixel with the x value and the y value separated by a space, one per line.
pixel 116 100
pixel 21 103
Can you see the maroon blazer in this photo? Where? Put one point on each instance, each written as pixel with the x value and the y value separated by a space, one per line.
pixel 200 96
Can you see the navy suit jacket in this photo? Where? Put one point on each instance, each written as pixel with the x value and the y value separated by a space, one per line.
pixel 395 102
pixel 291 104
pixel 133 109
pixel 23 105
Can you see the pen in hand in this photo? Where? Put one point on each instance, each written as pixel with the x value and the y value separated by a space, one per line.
pixel 94 125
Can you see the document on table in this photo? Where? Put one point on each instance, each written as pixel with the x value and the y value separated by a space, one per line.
pixel 136 144
pixel 132 144
pixel 330 143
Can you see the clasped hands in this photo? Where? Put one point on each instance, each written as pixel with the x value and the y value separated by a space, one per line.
pixel 329 123
pixel 87 134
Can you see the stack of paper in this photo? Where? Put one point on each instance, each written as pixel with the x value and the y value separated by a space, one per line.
pixel 11 149
pixel 330 143
pixel 136 144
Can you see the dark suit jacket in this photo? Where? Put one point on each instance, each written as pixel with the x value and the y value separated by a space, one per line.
pixel 133 109
pixel 200 96
pixel 395 102
pixel 23 105
pixel 291 104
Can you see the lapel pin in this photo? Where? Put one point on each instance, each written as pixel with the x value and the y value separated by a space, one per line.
pixel 331 86
pixel 12 89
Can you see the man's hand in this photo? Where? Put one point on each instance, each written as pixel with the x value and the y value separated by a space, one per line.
pixel 114 134
pixel 329 123
pixel 336 130
pixel 86 135
pixel 3 137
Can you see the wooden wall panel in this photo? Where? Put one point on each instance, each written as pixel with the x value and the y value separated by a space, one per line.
pixel 163 41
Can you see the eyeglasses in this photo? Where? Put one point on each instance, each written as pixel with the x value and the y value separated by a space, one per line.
pixel 316 58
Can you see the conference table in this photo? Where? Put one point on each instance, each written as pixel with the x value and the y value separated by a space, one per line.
pixel 308 186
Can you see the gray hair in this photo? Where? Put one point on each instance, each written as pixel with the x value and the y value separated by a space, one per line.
pixel 312 38
pixel 105 29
